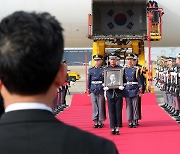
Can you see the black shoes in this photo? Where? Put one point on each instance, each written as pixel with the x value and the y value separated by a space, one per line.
pixel 98 124
pixel 178 119
pixel 130 125
pixel 113 132
pixel 117 132
pixel 95 125
pixel 171 111
pixel 168 108
pixel 133 125
pixel 164 105
pixel 65 106
pixel 176 113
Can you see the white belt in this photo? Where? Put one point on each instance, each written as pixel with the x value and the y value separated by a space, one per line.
pixel 96 82
pixel 130 83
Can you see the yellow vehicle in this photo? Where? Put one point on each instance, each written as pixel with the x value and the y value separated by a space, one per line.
pixel 73 76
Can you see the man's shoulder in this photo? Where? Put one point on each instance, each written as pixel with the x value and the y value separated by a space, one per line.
pixel 91 68
pixel 43 126
pixel 89 141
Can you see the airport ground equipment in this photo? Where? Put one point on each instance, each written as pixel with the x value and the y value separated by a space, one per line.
pixel 124 26
pixel 73 76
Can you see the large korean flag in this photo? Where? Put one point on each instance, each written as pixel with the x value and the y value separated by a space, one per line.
pixel 123 20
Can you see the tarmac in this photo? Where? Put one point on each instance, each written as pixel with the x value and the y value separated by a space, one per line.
pixel 80 85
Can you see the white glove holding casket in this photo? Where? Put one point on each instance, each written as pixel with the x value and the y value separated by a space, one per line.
pixel 121 87
pixel 106 88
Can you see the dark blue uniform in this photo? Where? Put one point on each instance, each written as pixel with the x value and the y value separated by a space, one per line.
pixel 115 103
pixel 95 86
pixel 132 81
pixel 95 80
pixel 132 84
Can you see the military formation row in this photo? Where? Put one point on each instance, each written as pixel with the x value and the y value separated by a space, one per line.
pixel 168 80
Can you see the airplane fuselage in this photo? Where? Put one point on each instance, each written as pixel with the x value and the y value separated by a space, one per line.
pixel 73 15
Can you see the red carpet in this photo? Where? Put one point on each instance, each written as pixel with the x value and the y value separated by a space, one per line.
pixel 158 133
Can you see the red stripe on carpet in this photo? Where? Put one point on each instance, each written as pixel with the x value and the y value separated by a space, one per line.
pixel 157 133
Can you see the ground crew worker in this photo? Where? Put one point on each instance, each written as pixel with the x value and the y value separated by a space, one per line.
pixel 152 5
pixel 114 98
pixel 95 86
pixel 133 87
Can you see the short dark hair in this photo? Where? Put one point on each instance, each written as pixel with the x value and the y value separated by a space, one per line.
pixel 31 50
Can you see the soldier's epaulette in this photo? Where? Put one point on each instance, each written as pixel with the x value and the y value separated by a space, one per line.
pixel 91 68
pixel 125 66
pixel 136 66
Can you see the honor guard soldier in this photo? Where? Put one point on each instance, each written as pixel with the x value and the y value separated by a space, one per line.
pixel 95 86
pixel 142 72
pixel 133 87
pixel 172 83
pixel 114 99
pixel 177 88
pixel 161 80
pixel 169 108
pixel 159 72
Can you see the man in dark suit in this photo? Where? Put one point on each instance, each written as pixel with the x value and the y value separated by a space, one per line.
pixel 115 97
pixel 31 49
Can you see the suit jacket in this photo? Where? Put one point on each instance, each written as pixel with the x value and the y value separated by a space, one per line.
pixel 39 132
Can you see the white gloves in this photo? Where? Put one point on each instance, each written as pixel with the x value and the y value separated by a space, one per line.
pixel 121 87
pixel 106 88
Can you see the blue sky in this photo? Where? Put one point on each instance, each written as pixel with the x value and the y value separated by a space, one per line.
pixel 165 51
